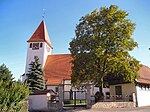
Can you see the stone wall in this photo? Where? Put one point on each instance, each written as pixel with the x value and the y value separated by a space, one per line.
pixel 101 105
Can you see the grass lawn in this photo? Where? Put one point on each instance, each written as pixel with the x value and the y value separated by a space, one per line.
pixel 78 102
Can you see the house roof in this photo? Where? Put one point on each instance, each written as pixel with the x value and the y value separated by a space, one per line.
pixel 144 75
pixel 57 68
pixel 40 34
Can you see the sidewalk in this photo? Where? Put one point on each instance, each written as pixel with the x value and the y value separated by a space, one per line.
pixel 135 109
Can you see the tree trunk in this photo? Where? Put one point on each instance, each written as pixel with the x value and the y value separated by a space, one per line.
pixel 101 91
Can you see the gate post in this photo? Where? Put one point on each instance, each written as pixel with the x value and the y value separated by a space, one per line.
pixel 74 99
pixel 134 99
pixel 88 97
pixel 60 93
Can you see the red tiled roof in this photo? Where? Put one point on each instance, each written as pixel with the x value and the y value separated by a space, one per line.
pixel 144 75
pixel 40 35
pixel 57 68
pixel 143 81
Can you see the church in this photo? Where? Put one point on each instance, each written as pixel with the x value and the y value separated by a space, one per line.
pixel 57 69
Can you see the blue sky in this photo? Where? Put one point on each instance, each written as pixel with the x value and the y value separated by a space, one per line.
pixel 20 18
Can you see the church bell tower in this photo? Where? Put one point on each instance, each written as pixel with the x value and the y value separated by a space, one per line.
pixel 38 45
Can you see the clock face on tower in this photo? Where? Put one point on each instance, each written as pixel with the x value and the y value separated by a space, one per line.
pixel 35 46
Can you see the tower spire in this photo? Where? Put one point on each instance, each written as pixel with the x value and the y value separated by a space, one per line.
pixel 41 35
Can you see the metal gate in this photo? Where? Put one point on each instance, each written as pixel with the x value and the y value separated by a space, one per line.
pixel 75 99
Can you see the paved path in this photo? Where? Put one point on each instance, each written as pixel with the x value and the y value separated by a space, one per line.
pixel 136 109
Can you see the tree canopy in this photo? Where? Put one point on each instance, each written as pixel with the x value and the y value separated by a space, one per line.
pixel 101 47
pixel 12 93
pixel 35 77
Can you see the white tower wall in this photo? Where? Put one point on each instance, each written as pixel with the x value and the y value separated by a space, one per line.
pixel 42 54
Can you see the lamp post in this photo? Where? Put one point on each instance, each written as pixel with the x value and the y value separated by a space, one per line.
pixel 49 98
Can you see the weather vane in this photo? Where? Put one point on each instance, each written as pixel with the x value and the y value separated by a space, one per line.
pixel 43 13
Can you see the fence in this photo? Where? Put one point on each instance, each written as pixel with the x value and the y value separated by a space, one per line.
pixel 117 98
pixel 75 98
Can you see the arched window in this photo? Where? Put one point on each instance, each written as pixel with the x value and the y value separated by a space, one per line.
pixel 30 45
pixel 41 44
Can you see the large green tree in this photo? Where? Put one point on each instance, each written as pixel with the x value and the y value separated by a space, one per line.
pixel 35 77
pixel 101 47
pixel 12 93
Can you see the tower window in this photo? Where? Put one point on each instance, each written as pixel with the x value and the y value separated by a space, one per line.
pixel 30 45
pixel 41 44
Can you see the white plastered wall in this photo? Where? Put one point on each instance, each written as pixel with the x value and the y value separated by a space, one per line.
pixel 143 96
pixel 79 95
pixel 51 88
pixel 96 89
pixel 38 102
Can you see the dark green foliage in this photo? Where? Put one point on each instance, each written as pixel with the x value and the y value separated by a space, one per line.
pixel 101 47
pixel 35 77
pixel 12 93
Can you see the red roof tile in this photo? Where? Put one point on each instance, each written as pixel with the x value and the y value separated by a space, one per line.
pixel 144 75
pixel 57 68
pixel 40 35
